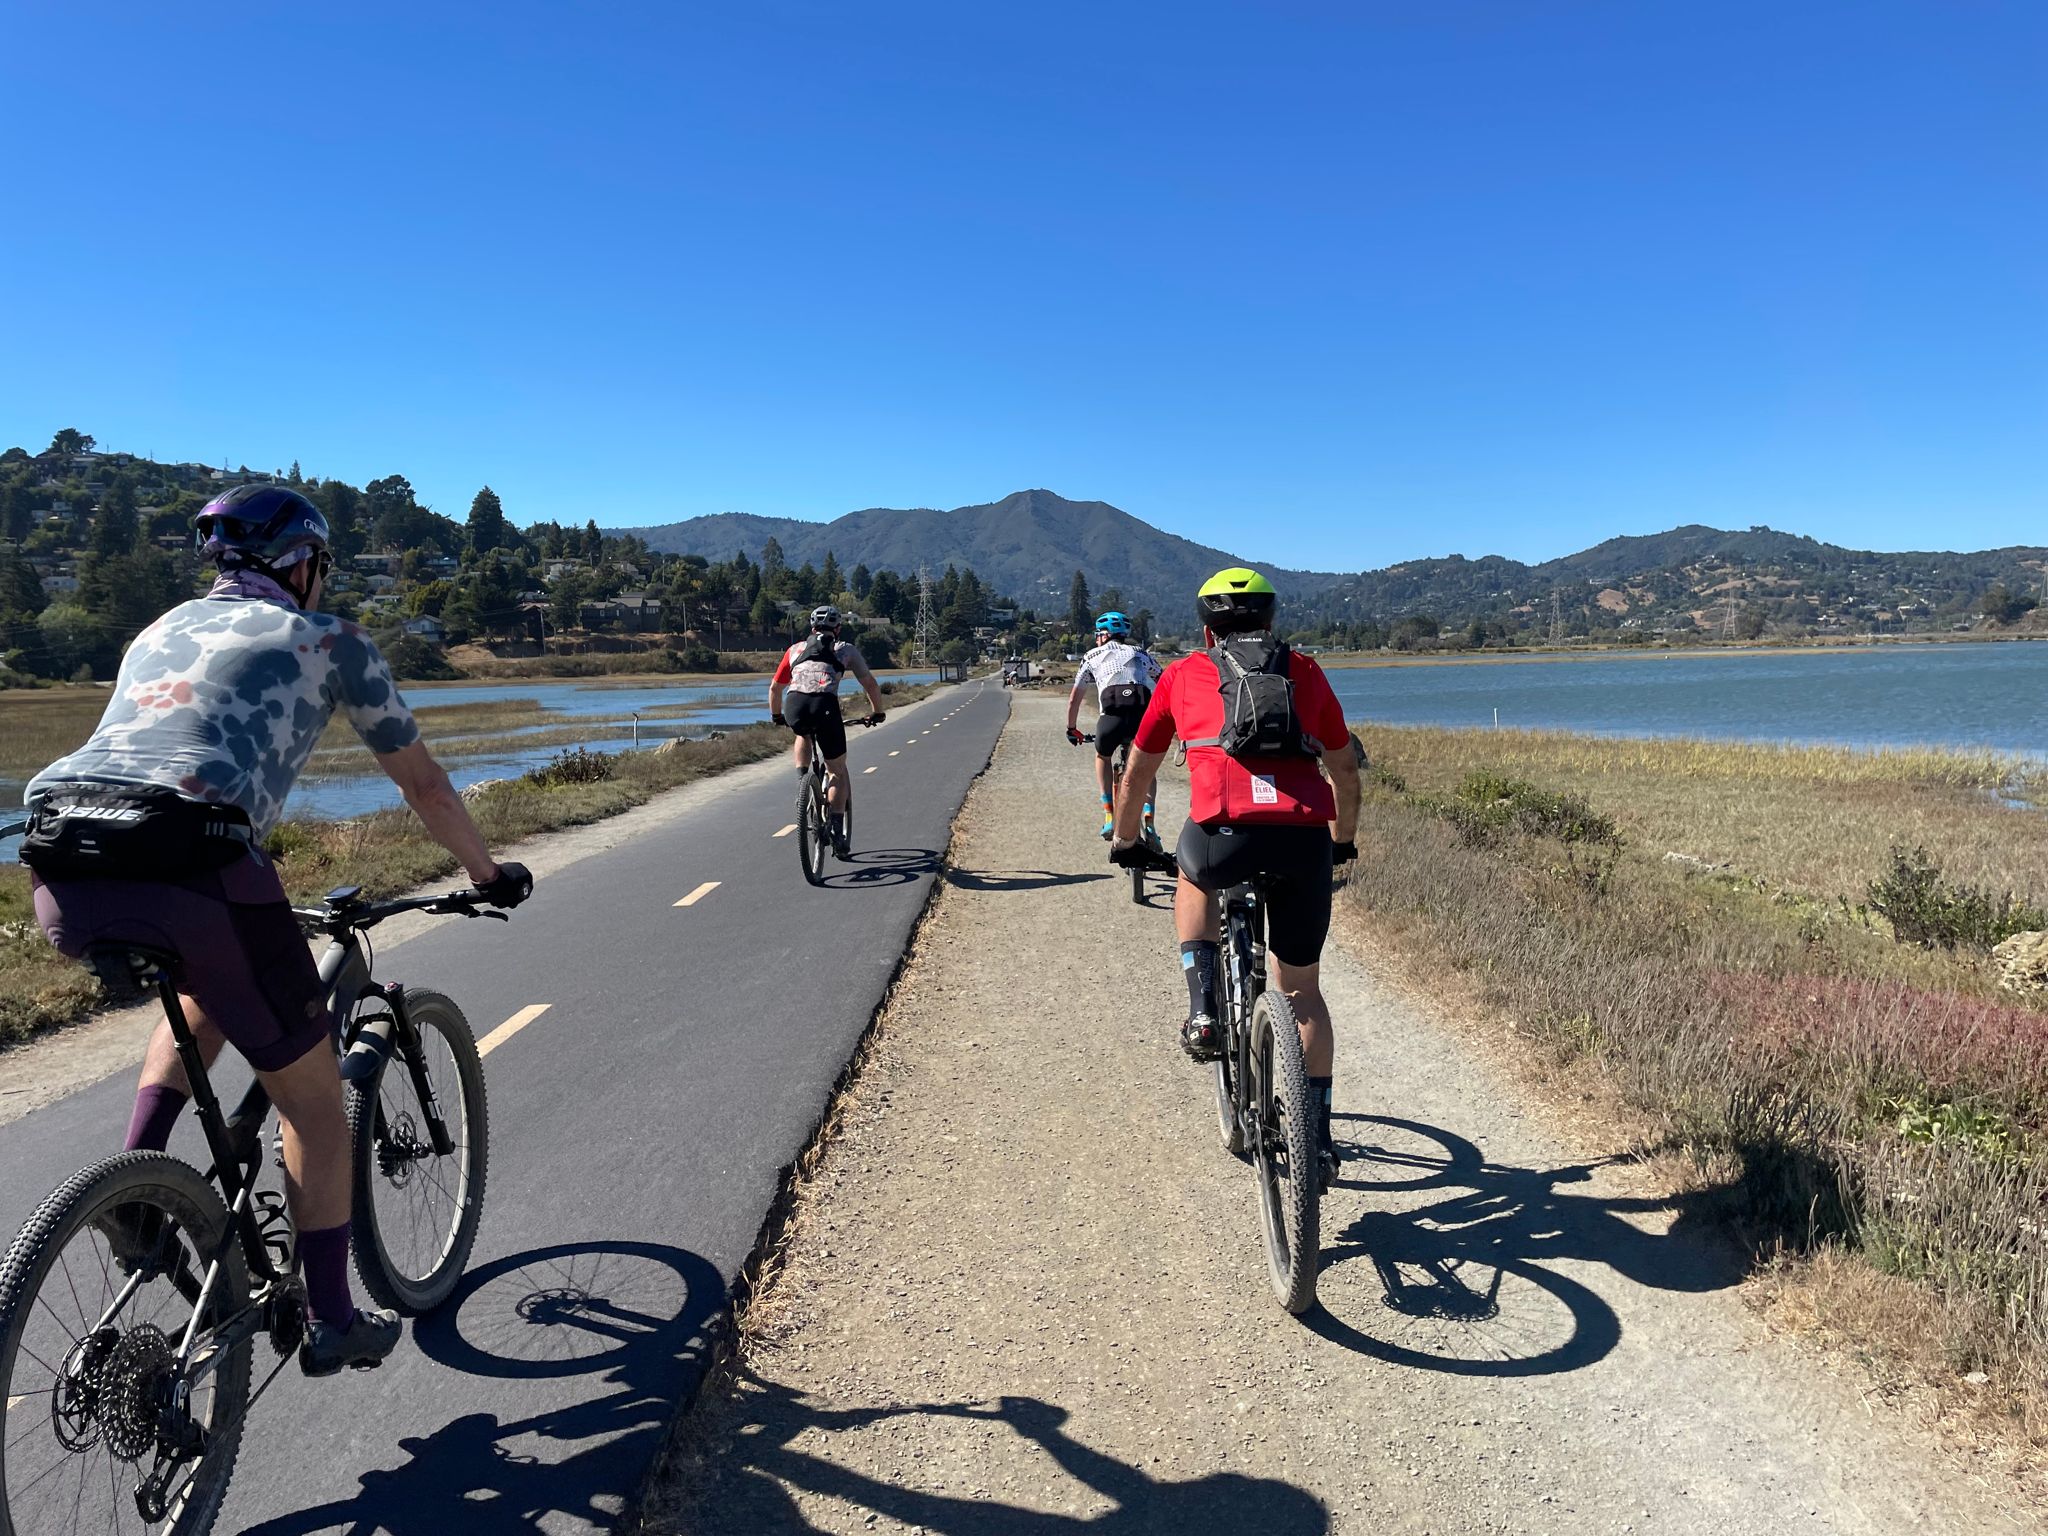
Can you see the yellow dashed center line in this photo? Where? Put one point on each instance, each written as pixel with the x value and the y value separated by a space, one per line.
pixel 895 754
pixel 699 894
pixel 869 770
pixel 511 1027
pixel 785 831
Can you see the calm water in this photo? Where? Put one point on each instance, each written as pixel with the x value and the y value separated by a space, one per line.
pixel 711 706
pixel 1939 695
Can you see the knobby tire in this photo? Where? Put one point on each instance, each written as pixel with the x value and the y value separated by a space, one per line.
pixel 174 1190
pixel 1290 1183
pixel 394 1267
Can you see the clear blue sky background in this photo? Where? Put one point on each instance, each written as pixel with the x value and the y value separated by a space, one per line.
pixel 1325 284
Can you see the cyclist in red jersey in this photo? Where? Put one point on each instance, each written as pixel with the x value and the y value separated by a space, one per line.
pixel 1287 819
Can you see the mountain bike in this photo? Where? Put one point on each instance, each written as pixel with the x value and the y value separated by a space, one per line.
pixel 1264 1111
pixel 131 1301
pixel 813 819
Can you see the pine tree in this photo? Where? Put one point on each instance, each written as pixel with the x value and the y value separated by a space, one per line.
pixel 1080 613
pixel 489 528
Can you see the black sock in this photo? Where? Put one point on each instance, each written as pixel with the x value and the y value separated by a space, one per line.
pixel 836 820
pixel 1198 964
pixel 1319 1090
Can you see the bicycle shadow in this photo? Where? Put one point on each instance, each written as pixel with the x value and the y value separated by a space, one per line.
pixel 636 1313
pixel 1015 880
pixel 872 868
pixel 1465 1280
pixel 749 1481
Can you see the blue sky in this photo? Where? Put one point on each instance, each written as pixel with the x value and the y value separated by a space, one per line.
pixel 1329 285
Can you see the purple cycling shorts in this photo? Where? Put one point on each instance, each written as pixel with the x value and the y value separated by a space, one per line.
pixel 244 960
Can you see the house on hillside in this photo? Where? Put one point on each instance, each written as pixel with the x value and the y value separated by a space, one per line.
pixel 427 627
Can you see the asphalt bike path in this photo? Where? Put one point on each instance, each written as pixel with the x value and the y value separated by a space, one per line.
pixel 663 1024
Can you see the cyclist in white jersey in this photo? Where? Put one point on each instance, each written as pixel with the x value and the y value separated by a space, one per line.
pixel 1123 675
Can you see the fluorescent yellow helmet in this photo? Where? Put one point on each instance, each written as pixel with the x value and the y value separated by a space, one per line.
pixel 1237 599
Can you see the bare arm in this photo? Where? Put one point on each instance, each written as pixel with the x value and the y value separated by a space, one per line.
pixel 867 681
pixel 1341 764
pixel 1074 698
pixel 1139 775
pixel 775 698
pixel 424 783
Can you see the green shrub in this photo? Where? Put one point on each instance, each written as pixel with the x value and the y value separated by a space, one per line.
pixel 1925 910
pixel 694 656
pixel 575 765
pixel 1488 806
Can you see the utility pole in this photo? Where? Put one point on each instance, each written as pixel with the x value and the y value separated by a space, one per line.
pixel 927 633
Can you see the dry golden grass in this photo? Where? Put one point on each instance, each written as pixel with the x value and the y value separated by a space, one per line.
pixel 1815 820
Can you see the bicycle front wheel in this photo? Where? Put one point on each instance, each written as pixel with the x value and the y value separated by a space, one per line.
pixel 1290 1187
pixel 96 1295
pixel 416 1208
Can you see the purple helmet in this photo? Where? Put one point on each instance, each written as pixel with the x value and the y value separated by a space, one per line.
pixel 266 526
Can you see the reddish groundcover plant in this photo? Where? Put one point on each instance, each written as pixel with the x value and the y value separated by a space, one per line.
pixel 1843 1035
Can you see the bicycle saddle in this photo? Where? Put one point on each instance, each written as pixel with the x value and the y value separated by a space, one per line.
pixel 125 969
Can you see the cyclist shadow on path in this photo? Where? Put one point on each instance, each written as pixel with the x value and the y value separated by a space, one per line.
pixel 1002 881
pixel 1463 1286
pixel 753 1477
pixel 869 868
pixel 634 1314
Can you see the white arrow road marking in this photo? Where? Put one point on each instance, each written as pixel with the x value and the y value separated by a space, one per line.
pixel 511 1027
pixel 700 893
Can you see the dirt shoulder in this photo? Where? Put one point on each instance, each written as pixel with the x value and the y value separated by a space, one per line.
pixel 1023 1291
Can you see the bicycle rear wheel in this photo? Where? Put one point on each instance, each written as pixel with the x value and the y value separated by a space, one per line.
pixel 1285 1152
pixel 87 1374
pixel 416 1210
pixel 813 832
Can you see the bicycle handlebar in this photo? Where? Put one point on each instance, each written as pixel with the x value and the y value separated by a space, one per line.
pixel 345 912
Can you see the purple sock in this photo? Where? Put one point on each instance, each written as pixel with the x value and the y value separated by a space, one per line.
pixel 157 1107
pixel 323 1260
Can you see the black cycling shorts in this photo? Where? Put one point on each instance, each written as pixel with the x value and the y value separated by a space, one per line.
pixel 1115 728
pixel 1293 868
pixel 817 716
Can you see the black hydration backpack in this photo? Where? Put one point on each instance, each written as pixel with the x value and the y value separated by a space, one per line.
pixel 821 647
pixel 1259 718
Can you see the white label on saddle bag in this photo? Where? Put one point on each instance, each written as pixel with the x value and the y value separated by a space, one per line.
pixel 1263 792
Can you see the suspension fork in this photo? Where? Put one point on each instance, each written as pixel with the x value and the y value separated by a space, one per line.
pixel 395 1034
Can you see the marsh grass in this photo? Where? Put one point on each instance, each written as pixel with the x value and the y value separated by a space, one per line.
pixel 1862 1093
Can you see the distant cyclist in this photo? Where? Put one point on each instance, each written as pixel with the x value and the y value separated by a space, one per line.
pixel 1124 676
pixel 1274 816
pixel 804 695
pixel 152 833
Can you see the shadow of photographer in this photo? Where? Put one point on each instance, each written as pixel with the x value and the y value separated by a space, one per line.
pixel 757 1477
pixel 1465 1279
pixel 633 1313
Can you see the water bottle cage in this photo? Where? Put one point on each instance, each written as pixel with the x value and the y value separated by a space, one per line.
pixel 274 1221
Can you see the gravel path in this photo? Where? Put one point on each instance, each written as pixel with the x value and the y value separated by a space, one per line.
pixel 1024 1293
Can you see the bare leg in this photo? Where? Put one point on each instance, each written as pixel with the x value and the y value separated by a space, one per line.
pixel 1194 913
pixel 1105 776
pixel 800 753
pixel 160 1064
pixel 1303 988
pixel 316 1151
pixel 838 787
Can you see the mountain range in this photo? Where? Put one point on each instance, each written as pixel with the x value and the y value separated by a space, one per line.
pixel 1030 543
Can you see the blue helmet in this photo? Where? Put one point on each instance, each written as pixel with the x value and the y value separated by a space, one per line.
pixel 1112 623
pixel 266 526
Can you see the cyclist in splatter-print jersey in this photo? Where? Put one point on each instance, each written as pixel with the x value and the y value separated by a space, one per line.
pixel 221 701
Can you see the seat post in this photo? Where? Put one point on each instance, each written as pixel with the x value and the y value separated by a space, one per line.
pixel 204 1104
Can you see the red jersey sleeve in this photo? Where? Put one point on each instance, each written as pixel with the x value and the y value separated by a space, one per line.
pixel 1315 701
pixel 1156 730
pixel 782 671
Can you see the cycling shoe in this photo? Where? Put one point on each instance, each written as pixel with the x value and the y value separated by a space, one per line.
pixel 362 1345
pixel 1202 1038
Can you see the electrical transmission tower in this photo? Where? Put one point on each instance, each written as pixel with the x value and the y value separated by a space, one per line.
pixel 1728 617
pixel 1556 616
pixel 927 637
